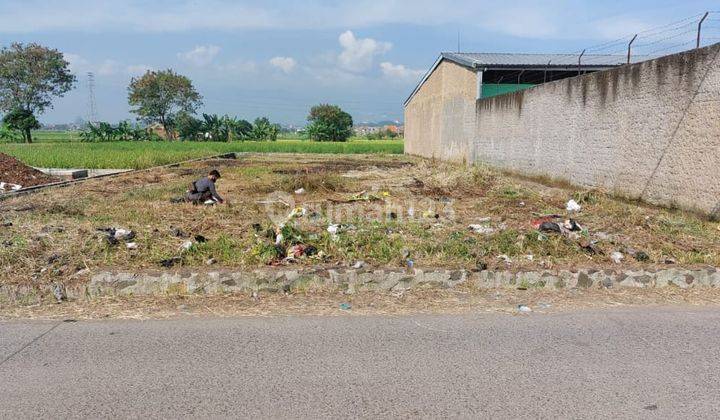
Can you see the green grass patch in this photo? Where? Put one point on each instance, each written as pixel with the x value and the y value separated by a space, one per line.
pixel 139 155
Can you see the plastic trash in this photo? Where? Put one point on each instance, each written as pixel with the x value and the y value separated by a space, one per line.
pixel 131 245
pixel 617 257
pixel 505 259
pixel 7 186
pixel 300 191
pixel 186 245
pixel 550 227
pixel 333 229
pixel 358 264
pixel 573 206
pixel 481 229
pixel 524 308
pixel 345 306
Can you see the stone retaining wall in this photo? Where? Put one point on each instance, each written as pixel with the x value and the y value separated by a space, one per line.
pixel 352 280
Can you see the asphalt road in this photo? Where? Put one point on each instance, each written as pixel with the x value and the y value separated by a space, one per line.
pixel 654 363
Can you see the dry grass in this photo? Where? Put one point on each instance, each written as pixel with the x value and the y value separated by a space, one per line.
pixel 53 234
pixel 328 303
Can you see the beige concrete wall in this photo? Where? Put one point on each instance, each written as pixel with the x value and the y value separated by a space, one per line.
pixel 649 130
pixel 441 116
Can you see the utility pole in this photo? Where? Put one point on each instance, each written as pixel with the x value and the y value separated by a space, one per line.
pixel 92 108
pixel 700 27
pixel 579 59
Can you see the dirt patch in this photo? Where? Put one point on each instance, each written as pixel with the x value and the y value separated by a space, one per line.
pixel 370 211
pixel 431 301
pixel 15 172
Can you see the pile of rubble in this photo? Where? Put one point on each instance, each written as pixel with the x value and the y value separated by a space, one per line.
pixel 15 175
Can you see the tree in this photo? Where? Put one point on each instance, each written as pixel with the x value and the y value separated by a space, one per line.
pixel 263 129
pixel 30 76
pixel 8 134
pixel 158 97
pixel 23 121
pixel 188 127
pixel 329 123
pixel 241 129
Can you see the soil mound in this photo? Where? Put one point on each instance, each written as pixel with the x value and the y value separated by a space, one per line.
pixel 12 171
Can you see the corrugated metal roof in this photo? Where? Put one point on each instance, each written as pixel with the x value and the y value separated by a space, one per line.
pixel 539 60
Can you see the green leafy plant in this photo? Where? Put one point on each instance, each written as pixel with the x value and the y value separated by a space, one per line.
pixel 329 123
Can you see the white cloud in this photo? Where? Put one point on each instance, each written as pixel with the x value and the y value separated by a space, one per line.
pixel 138 69
pixel 238 66
pixel 201 55
pixel 286 64
pixel 525 18
pixel 400 72
pixel 77 63
pixel 358 53
pixel 108 68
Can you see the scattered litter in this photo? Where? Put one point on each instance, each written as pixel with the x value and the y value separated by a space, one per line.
pixel 186 246
pixel 572 226
pixel 114 235
pixel 358 264
pixel 410 264
pixel 411 212
pixel 333 229
pixel 7 224
pixel 210 261
pixel 524 308
pixel 550 227
pixel 177 232
pixel 297 212
pixel 573 206
pixel 7 186
pixel 131 245
pixel 505 259
pixel 482 229
pixel 210 202
pixel 670 261
pixel 300 191
pixel 345 306
pixel 200 239
pixel 530 257
pixel 521 204
pixel 590 247
pixel 617 257
pixel 58 292
pixel 170 262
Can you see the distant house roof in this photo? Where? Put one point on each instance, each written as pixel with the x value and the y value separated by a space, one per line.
pixel 519 61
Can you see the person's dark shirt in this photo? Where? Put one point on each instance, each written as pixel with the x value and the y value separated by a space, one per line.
pixel 206 184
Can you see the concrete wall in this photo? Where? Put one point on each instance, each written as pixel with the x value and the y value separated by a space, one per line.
pixel 649 130
pixel 440 118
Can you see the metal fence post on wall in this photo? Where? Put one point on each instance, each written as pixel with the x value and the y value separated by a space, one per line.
pixel 700 27
pixel 580 58
pixel 545 72
pixel 630 46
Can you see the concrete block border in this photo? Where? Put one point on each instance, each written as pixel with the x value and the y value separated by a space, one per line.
pixel 124 283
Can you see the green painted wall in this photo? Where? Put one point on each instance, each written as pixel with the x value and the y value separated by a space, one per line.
pixel 492 89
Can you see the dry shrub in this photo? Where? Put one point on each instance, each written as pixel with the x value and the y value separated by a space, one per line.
pixel 438 179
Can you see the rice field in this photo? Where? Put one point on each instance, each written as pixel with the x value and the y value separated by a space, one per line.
pixel 139 155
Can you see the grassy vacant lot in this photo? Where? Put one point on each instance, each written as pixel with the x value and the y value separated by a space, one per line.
pixel 410 208
pixel 137 155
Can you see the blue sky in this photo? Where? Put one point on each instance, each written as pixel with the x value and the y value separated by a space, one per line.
pixel 277 58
